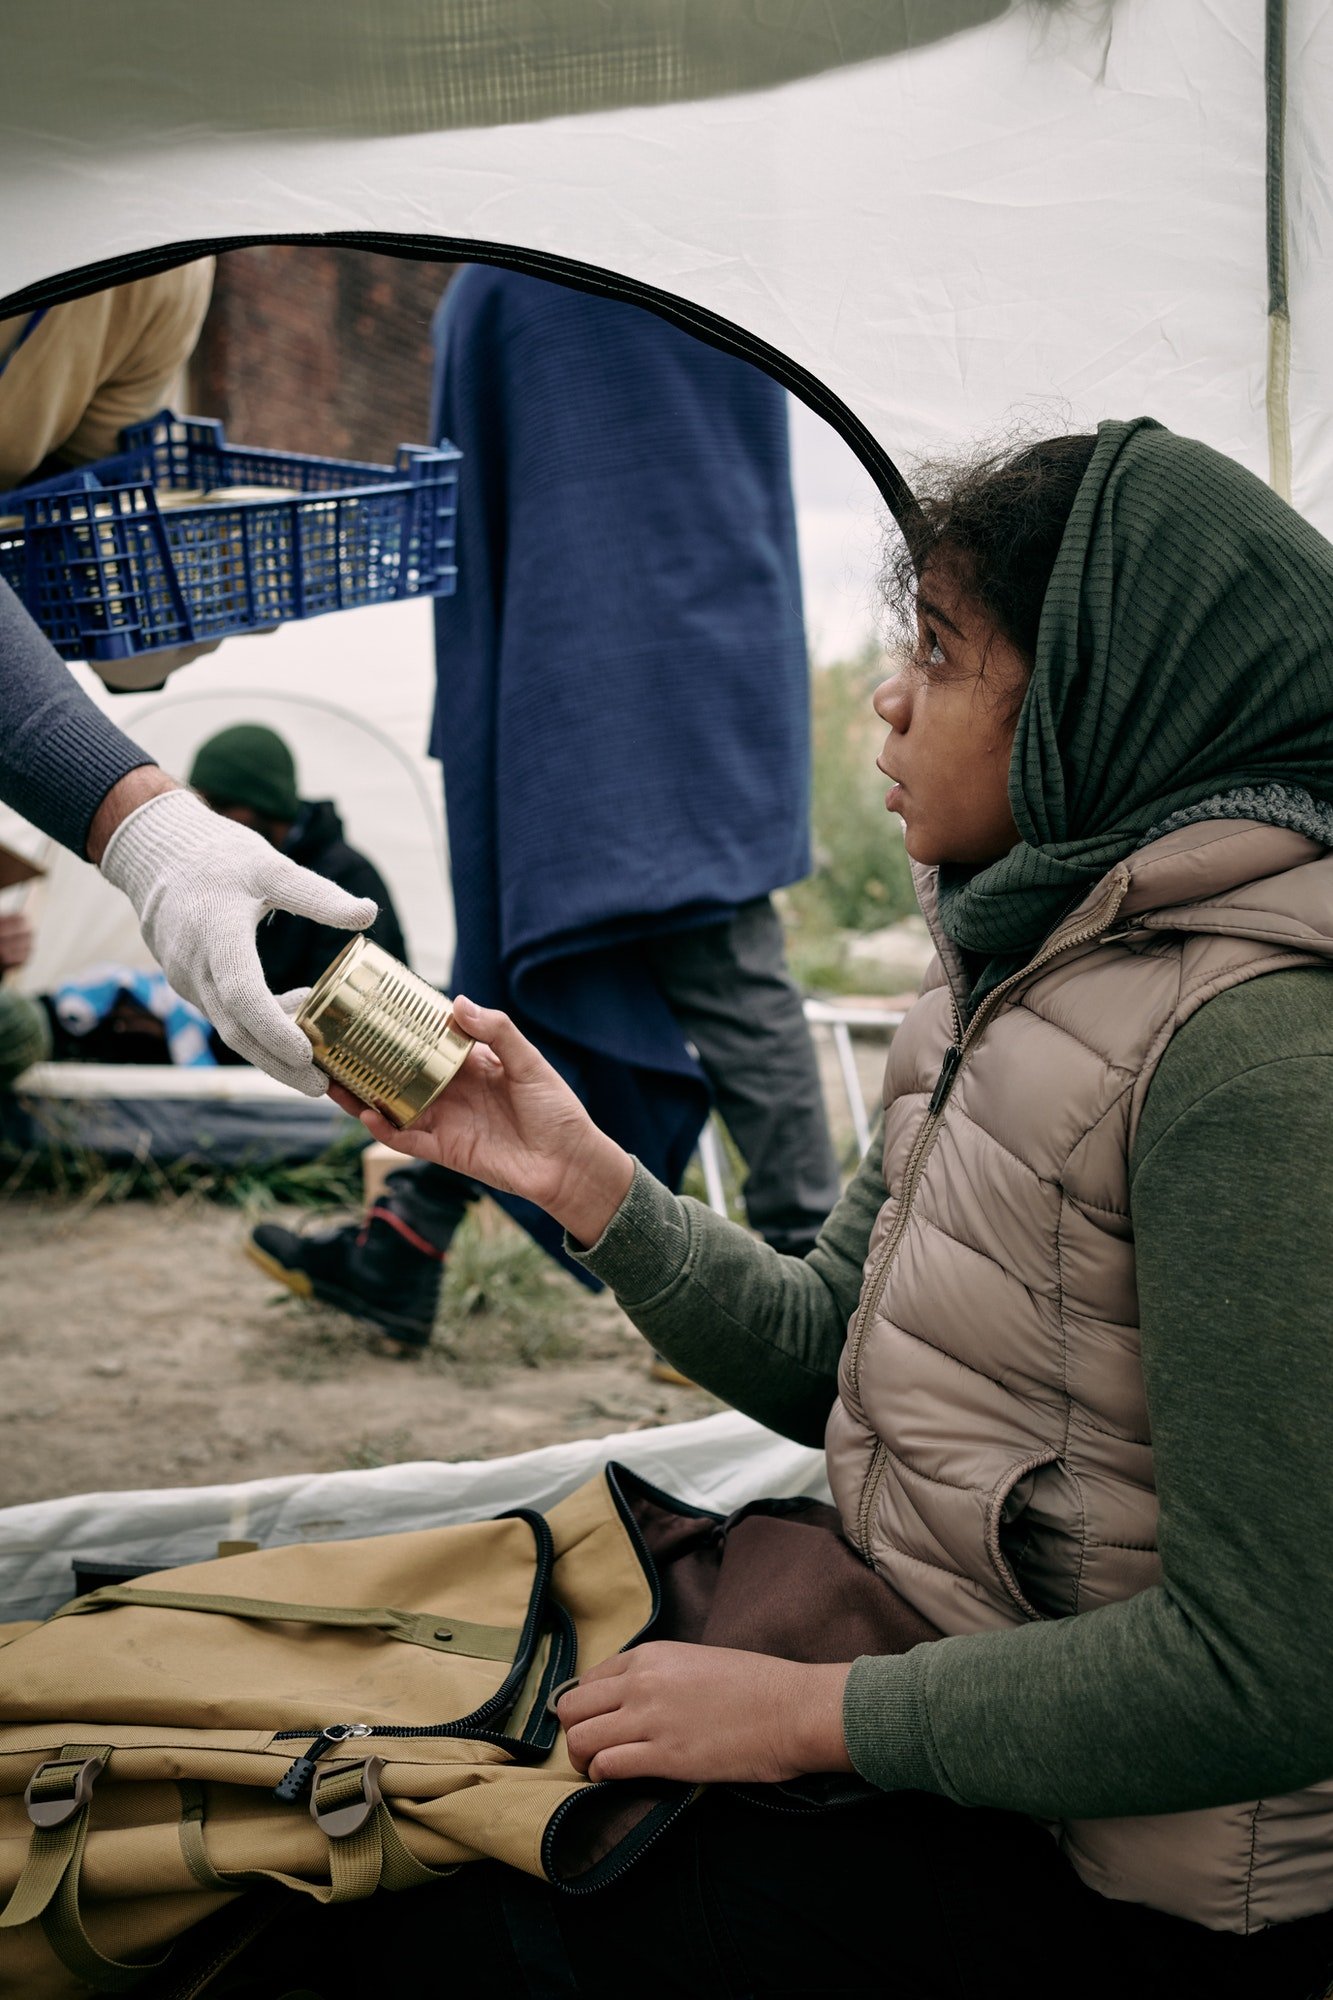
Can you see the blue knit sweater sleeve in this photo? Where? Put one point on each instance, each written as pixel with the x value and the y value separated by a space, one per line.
pixel 59 755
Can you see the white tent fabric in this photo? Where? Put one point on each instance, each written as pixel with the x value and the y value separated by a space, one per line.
pixel 719 1462
pixel 1060 211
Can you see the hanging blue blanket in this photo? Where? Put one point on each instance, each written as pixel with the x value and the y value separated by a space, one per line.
pixel 622 707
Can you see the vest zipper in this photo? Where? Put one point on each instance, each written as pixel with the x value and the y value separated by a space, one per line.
pixel 955 1056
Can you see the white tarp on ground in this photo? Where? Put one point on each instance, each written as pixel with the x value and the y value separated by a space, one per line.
pixel 719 1462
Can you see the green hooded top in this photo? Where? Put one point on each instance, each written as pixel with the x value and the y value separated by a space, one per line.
pixel 1184 660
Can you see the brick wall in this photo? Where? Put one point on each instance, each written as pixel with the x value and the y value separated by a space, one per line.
pixel 307 348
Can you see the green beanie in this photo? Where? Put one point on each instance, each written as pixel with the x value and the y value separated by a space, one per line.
pixel 248 765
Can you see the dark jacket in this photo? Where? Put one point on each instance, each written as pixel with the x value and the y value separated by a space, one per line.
pixel 293 950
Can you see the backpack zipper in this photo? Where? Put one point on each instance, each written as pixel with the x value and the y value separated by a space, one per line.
pixel 954 1058
pixel 295 1780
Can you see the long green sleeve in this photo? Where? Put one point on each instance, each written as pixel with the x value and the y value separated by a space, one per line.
pixel 1210 1688
pixel 762 1331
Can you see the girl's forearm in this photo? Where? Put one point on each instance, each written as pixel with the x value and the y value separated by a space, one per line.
pixel 598 1182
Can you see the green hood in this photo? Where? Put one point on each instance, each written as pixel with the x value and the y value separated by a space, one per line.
pixel 1185 654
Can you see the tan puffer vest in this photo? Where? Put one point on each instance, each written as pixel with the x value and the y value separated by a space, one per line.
pixel 990 1449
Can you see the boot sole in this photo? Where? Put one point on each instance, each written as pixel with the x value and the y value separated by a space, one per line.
pixel 399 1336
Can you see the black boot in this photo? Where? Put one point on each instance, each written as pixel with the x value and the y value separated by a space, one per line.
pixel 380 1270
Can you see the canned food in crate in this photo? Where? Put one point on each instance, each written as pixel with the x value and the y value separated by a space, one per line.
pixel 382 1032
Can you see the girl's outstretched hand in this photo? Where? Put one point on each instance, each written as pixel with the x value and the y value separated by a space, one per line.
pixel 507 1119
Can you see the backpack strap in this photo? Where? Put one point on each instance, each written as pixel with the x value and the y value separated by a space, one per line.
pixel 191 1831
pixel 58 1799
pixel 366 1850
pixel 435 1629
pixel 347 1800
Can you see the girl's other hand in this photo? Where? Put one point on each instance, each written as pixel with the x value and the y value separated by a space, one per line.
pixel 705 1715
pixel 509 1120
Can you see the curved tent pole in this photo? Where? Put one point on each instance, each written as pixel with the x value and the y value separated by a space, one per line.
pixel 697 320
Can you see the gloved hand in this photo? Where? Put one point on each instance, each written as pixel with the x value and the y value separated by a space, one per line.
pixel 200 884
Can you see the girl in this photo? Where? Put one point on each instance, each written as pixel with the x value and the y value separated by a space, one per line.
pixel 1068 1334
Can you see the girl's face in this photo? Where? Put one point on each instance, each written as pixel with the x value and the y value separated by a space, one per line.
pixel 952 710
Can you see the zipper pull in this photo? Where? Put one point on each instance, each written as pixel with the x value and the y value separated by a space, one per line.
pixel 953 1055
pixel 295 1781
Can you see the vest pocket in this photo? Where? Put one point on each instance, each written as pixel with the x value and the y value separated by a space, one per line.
pixel 1008 1526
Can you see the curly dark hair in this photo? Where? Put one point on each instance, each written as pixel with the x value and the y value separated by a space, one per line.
pixel 996 520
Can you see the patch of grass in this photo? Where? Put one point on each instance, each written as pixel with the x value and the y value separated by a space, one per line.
pixel 503 1302
pixel 312 1342
pixel 821 964
pixel 72 1172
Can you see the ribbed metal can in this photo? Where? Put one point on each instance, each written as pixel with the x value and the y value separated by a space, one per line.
pixel 383 1032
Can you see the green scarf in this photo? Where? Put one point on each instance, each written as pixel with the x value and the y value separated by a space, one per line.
pixel 1185 652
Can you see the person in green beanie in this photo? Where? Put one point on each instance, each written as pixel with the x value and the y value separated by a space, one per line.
pixel 247 773
pixel 1067 1337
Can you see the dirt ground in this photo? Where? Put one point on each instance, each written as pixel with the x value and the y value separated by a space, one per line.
pixel 140 1347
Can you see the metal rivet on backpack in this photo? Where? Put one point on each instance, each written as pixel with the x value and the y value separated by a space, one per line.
pixel 444 1635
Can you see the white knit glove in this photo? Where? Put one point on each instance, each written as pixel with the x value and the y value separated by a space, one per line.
pixel 199 885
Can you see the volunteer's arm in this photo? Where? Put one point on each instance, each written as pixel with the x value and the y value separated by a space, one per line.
pixel 199 884
pixel 61 759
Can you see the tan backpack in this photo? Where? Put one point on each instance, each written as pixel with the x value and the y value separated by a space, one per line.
pixel 342 1717
pixel 334 1717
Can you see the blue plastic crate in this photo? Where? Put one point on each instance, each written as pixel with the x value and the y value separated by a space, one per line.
pixel 108 571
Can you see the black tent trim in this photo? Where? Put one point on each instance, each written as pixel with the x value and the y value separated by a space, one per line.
pixel 704 325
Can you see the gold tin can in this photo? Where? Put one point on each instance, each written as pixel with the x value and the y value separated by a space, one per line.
pixel 381 1031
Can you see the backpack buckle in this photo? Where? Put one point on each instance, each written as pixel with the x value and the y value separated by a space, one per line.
pixel 343 1796
pixel 70 1788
